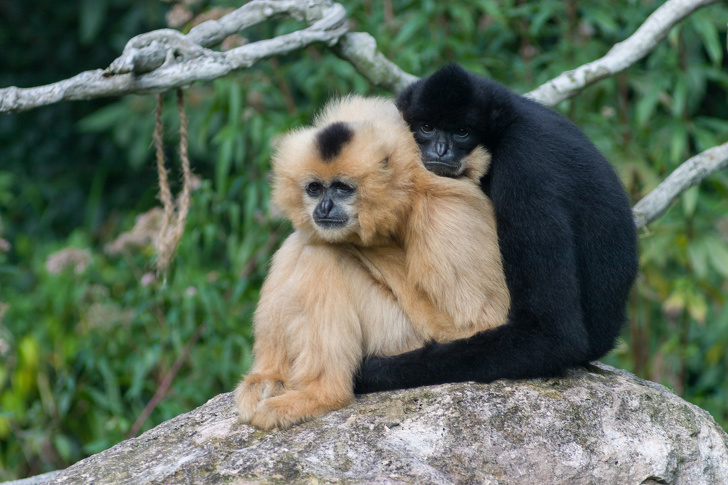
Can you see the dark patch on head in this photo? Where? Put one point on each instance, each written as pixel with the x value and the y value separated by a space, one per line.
pixel 331 140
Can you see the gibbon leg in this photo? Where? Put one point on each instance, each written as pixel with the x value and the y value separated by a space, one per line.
pixel 328 349
pixel 320 378
pixel 276 310
pixel 309 332
pixel 267 377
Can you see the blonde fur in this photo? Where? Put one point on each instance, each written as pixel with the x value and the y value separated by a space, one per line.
pixel 417 261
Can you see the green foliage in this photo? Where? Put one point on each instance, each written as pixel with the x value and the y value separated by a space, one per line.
pixel 82 353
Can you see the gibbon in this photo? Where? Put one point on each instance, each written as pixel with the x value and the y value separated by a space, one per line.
pixel 385 257
pixel 565 229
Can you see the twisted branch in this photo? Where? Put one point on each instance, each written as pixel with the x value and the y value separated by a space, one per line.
pixel 164 59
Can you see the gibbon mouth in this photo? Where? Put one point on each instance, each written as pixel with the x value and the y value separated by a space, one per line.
pixel 331 223
pixel 442 168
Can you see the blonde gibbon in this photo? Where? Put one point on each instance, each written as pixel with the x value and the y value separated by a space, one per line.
pixel 385 257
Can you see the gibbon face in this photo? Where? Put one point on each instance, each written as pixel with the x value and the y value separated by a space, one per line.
pixel 347 180
pixel 446 121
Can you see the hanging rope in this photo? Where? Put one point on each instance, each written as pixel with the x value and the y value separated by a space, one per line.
pixel 175 212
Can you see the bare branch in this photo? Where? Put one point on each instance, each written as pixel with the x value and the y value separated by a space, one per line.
pixel 360 49
pixel 690 173
pixel 213 32
pixel 621 56
pixel 165 59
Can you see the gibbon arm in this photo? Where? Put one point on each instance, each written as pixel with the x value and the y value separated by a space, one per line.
pixel 453 256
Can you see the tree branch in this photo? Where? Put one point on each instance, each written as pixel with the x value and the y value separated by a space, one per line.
pixel 165 59
pixel 360 49
pixel 690 173
pixel 621 56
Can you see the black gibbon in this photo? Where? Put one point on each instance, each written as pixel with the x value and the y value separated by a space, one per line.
pixel 565 231
pixel 385 256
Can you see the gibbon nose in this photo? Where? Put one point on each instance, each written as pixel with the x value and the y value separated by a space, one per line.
pixel 441 147
pixel 326 206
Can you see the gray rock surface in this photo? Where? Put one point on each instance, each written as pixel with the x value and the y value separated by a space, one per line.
pixel 595 426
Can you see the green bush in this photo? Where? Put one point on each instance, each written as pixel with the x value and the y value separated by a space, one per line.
pixel 85 348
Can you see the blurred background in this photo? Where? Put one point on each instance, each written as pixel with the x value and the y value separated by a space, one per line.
pixel 89 333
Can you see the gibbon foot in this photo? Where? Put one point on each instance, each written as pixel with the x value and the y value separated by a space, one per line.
pixel 253 390
pixel 290 408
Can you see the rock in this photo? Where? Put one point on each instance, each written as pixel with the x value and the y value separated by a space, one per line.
pixel 598 425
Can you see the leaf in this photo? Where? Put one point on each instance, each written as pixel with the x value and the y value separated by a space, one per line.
pixel 493 8
pixel 709 34
pixel 542 15
pixel 224 158
pixel 5 428
pixel 63 445
pixel 604 19
pixel 698 255
pixel 408 30
pixel 235 104
pixel 715 354
pixel 697 307
pixel 465 19
pixel 104 118
pixel 91 18
pixel 690 200
pixel 679 142
pixel 679 97
pixel 646 107
pixel 675 304
pixel 718 252
pixel 704 138
pixel 717 124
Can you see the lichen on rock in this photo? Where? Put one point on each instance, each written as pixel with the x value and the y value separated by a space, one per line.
pixel 598 425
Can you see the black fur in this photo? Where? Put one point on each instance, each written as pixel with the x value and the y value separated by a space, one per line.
pixel 565 230
pixel 332 139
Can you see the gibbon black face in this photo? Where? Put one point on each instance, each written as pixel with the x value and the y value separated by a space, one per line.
pixel 334 203
pixel 444 120
pixel 443 150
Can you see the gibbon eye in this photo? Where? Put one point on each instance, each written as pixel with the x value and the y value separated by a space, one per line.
pixel 462 132
pixel 314 189
pixel 426 127
pixel 343 188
